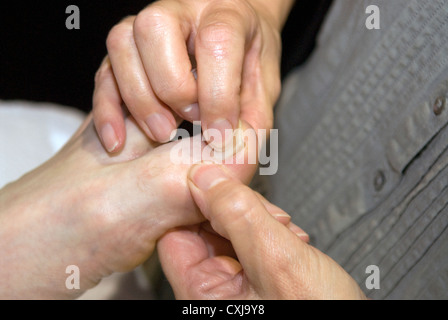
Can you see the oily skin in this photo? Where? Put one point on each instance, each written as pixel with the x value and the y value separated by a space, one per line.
pixel 233 45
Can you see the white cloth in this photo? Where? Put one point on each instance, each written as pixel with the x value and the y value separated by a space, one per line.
pixel 31 133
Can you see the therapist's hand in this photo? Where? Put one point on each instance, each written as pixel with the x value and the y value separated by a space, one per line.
pixel 99 212
pixel 148 71
pixel 255 256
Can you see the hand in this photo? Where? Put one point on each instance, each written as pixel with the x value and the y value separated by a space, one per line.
pixel 100 212
pixel 255 257
pixel 236 47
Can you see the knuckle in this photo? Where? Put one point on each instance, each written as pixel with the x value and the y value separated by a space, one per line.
pixel 138 99
pixel 241 204
pixel 236 203
pixel 227 23
pixel 217 38
pixel 225 99
pixel 230 10
pixel 153 19
pixel 118 35
pixel 135 97
pixel 176 89
pixel 102 71
pixel 135 93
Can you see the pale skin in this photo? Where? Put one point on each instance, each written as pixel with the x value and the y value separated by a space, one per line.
pixel 88 208
pixel 251 255
pixel 106 214
pixel 236 47
pixel 106 210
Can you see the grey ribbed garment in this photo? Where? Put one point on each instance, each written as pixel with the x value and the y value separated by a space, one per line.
pixel 363 158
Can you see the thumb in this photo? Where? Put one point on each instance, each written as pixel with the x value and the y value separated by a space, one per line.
pixel 238 214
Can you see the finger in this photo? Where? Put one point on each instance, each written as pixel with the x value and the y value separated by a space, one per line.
pixel 107 110
pixel 237 214
pixel 161 32
pixel 281 216
pixel 219 51
pixel 179 250
pixel 261 83
pixel 150 113
pixel 192 272
pixel 216 245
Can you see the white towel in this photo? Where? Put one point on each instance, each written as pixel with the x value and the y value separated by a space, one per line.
pixel 31 133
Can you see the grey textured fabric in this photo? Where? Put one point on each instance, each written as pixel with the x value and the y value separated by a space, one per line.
pixel 363 157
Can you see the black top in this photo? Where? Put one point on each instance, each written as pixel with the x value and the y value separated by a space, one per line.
pixel 41 60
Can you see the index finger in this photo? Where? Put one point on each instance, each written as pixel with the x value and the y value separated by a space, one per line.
pixel 161 34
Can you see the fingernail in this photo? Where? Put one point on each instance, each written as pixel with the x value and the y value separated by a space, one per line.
pixel 234 144
pixel 219 134
pixel 191 112
pixel 298 231
pixel 282 218
pixel 109 137
pixel 206 176
pixel 160 127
